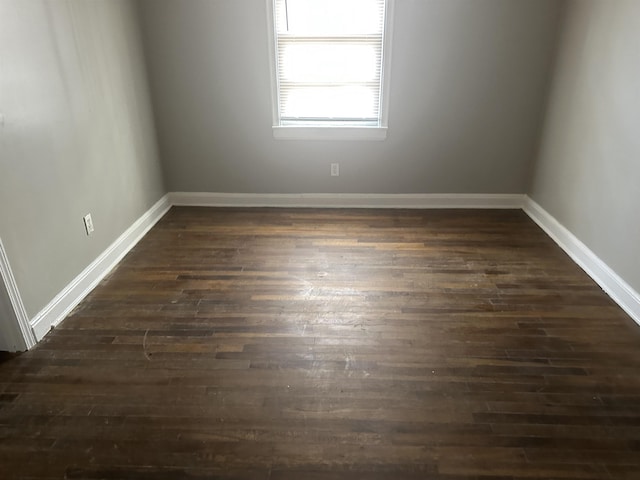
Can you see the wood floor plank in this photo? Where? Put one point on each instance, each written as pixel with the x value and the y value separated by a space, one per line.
pixel 319 344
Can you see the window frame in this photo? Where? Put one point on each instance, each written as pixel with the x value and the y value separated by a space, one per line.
pixel 332 131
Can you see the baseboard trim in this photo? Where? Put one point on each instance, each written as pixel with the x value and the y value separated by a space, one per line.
pixel 74 292
pixel 35 329
pixel 15 299
pixel 347 200
pixel 619 290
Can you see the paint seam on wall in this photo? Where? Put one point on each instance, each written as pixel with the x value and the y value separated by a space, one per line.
pixel 619 290
pixel 347 200
pixel 74 292
pixel 15 298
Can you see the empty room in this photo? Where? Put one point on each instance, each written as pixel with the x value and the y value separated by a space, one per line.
pixel 319 239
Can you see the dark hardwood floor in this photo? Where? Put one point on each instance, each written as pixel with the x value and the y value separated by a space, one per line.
pixel 284 344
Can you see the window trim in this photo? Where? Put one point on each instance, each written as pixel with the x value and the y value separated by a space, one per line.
pixel 332 132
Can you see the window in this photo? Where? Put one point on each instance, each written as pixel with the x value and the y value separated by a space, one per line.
pixel 329 59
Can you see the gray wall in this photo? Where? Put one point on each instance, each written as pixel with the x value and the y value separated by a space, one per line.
pixel 468 80
pixel 588 172
pixel 78 137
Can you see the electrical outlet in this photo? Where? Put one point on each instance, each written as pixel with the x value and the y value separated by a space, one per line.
pixel 335 169
pixel 88 223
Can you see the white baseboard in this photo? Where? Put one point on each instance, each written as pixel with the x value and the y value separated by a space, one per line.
pixel 16 301
pixel 619 290
pixel 72 294
pixel 347 200
pixel 56 310
pixel 75 291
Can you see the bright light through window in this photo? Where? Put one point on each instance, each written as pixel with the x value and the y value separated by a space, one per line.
pixel 330 103
pixel 329 61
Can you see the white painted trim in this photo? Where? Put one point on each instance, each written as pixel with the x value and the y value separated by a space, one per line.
pixel 329 133
pixel 386 63
pixel 347 200
pixel 15 298
pixel 301 132
pixel 74 292
pixel 271 40
pixel 619 290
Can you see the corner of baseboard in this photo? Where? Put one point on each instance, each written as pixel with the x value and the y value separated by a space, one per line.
pixel 614 285
pixel 15 299
pixel 63 303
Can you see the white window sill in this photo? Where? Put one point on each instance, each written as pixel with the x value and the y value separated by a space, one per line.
pixel 329 133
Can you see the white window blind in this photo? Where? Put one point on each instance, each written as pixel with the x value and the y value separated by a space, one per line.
pixel 329 61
